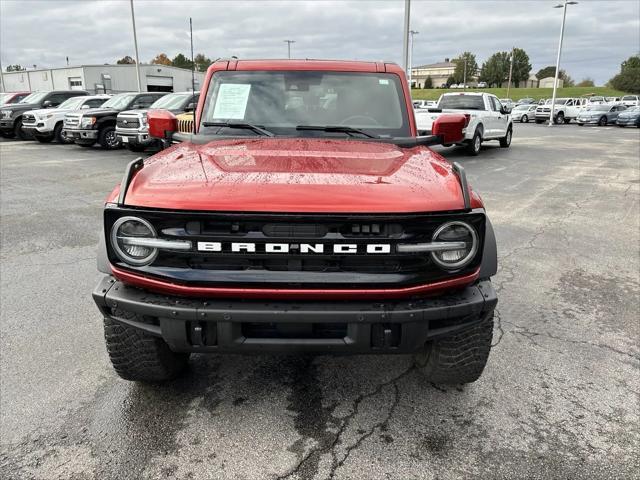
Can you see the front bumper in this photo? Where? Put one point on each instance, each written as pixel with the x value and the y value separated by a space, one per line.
pixel 80 134
pixel 7 124
pixel 587 121
pixel 134 136
pixel 338 327
pixel 627 121
pixel 40 127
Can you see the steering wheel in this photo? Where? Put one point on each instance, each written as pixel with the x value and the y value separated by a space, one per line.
pixel 372 121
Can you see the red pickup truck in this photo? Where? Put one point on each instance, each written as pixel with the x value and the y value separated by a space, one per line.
pixel 304 214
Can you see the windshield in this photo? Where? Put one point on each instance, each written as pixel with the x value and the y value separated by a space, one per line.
pixel 280 101
pixel 596 99
pixel 559 101
pixel 522 107
pixel 599 108
pixel 120 101
pixel 462 102
pixel 34 97
pixel 72 103
pixel 629 97
pixel 172 101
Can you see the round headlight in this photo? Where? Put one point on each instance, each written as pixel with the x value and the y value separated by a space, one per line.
pixel 458 232
pixel 123 235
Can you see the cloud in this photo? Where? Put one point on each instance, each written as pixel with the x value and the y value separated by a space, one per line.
pixel 599 34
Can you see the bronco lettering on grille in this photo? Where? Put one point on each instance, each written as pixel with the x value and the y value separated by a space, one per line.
pixel 308 248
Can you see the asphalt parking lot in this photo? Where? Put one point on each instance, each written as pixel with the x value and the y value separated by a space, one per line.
pixel 559 397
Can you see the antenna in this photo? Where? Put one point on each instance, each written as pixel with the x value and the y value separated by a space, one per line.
pixel 193 74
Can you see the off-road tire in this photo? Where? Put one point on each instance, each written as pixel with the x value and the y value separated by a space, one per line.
pixel 459 358
pixel 505 141
pixel 42 139
pixel 473 148
pixel 138 356
pixel 106 136
pixel 17 130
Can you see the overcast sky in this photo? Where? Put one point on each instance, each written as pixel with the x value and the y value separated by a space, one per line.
pixel 599 33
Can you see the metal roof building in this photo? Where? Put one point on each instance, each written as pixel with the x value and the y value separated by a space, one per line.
pixel 101 79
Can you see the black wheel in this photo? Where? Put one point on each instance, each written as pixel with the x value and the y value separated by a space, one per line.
pixel 140 357
pixel 59 135
pixel 559 118
pixel 459 358
pixel 524 119
pixel 505 141
pixel 108 139
pixel 135 147
pixel 17 130
pixel 603 121
pixel 473 148
pixel 42 139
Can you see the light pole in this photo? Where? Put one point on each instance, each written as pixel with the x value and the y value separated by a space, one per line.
pixel 464 76
pixel 412 33
pixel 555 80
pixel 405 40
pixel 513 50
pixel 135 44
pixel 289 42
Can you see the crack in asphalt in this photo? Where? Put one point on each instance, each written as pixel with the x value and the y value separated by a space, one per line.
pixel 530 334
pixel 498 326
pixel 345 423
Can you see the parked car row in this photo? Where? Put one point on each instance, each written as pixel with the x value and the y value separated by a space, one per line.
pixel 74 116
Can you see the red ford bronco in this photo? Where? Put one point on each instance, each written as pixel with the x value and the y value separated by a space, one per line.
pixel 303 215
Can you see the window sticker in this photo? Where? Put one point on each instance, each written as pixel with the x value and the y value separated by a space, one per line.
pixel 231 101
pixel 383 81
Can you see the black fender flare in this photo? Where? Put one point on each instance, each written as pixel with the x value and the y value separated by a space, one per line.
pixel 102 258
pixel 489 266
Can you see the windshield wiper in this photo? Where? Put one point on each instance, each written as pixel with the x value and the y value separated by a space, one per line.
pixel 336 128
pixel 244 126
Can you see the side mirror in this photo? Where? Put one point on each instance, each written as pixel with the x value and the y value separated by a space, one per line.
pixel 450 127
pixel 190 108
pixel 504 110
pixel 162 124
pixel 48 104
pixel 85 106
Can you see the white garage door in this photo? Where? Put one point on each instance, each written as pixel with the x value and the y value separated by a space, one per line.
pixel 157 81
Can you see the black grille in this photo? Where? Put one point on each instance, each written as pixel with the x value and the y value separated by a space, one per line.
pixel 127 123
pixel 28 118
pixel 296 269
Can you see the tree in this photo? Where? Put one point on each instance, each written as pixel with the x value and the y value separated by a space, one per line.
pixel 126 60
pixel 472 67
pixel 546 72
pixel 182 62
pixel 628 80
pixel 450 81
pixel 15 68
pixel 161 59
pixel 587 82
pixel 428 82
pixel 521 66
pixel 495 70
pixel 202 62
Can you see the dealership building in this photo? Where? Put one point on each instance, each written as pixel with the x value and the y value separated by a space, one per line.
pixel 101 79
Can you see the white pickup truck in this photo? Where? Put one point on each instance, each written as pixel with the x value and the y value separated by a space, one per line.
pixel 487 118
pixel 566 109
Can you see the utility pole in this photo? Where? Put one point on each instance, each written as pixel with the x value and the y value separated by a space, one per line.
pixel 405 41
pixel 289 42
pixel 2 78
pixel 135 44
pixel 555 80
pixel 510 71
pixel 412 32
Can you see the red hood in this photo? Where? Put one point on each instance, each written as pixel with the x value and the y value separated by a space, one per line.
pixel 297 175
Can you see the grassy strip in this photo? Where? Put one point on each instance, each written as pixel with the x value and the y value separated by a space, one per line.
pixel 517 93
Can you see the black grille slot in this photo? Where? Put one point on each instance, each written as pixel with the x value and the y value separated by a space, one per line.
pixel 288 230
pixel 127 123
pixel 28 118
pixel 294 330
